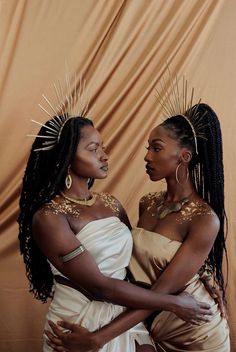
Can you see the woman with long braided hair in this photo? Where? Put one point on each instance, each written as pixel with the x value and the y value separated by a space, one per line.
pixel 76 243
pixel 180 237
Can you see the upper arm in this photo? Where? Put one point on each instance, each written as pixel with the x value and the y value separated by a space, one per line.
pixel 190 256
pixel 55 238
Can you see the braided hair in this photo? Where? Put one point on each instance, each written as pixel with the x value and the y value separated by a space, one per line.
pixel 44 177
pixel 206 169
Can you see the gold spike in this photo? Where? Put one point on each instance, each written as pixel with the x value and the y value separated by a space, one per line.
pixel 50 104
pixel 64 110
pixel 175 101
pixel 42 124
pixel 40 136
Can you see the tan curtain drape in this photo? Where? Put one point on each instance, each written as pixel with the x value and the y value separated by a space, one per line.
pixel 120 47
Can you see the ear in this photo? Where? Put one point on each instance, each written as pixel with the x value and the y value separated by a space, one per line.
pixel 186 155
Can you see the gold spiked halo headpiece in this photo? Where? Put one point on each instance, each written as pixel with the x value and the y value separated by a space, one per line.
pixel 176 100
pixel 74 102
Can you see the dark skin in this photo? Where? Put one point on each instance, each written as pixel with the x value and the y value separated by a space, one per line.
pixel 163 156
pixel 55 236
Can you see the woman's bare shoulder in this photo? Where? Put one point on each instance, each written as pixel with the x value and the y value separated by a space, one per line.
pixel 199 208
pixel 150 199
pixel 201 215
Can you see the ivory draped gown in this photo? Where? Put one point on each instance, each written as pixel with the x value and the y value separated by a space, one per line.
pixel 152 252
pixel 110 243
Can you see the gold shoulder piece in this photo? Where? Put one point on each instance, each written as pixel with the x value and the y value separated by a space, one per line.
pixel 109 201
pixel 65 208
pixel 193 209
pixel 150 199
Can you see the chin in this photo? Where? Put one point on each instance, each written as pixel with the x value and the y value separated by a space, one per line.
pixel 154 178
pixel 100 177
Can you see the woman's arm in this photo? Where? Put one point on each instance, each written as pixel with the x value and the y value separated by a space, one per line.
pixel 182 268
pixel 81 340
pixel 185 264
pixel 55 238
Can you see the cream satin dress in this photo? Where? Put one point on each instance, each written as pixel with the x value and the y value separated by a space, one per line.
pixel 110 243
pixel 152 252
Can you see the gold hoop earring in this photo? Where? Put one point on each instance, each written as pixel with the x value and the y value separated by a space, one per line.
pixel 68 181
pixel 177 178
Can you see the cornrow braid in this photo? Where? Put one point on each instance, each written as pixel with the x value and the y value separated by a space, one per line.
pixel 43 179
pixel 207 172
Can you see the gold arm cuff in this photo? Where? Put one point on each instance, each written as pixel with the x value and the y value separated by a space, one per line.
pixel 77 251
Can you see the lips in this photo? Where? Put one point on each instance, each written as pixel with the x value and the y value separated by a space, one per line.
pixel 105 167
pixel 149 169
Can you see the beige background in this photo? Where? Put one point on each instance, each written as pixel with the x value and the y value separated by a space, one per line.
pixel 121 48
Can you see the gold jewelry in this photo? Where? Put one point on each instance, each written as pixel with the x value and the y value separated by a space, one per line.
pixel 68 181
pixel 163 210
pixel 175 101
pixel 177 177
pixel 87 202
pixel 77 251
pixel 109 201
pixel 63 111
pixel 193 209
pixel 65 208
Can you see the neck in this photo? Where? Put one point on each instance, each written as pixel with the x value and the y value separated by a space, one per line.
pixel 78 190
pixel 176 192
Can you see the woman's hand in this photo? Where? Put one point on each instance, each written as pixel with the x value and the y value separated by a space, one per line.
pixel 76 339
pixel 216 294
pixel 191 310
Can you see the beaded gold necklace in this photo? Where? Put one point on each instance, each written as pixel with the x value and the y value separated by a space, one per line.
pixel 87 202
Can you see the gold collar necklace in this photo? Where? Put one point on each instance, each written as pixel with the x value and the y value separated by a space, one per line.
pixel 87 202
pixel 164 209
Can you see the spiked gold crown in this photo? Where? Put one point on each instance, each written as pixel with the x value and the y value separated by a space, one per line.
pixel 176 100
pixel 74 102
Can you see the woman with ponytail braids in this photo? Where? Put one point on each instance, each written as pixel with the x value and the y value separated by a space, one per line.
pixel 179 243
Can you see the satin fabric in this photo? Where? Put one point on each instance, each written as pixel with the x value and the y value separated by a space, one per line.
pixel 152 252
pixel 110 243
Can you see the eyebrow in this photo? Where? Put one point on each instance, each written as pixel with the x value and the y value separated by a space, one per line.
pixel 156 140
pixel 96 143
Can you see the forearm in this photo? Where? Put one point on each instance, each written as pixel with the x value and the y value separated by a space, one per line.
pixel 125 321
pixel 119 325
pixel 132 296
pixel 122 323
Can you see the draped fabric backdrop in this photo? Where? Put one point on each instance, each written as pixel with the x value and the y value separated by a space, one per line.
pixel 121 48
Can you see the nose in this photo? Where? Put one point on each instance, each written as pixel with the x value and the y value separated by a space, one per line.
pixel 104 155
pixel 147 156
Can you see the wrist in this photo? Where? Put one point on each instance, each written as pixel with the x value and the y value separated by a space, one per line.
pixel 173 304
pixel 98 341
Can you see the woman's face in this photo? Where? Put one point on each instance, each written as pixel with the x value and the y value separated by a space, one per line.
pixel 90 160
pixel 163 154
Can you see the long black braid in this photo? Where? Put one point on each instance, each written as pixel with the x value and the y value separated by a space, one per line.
pixel 207 172
pixel 44 177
